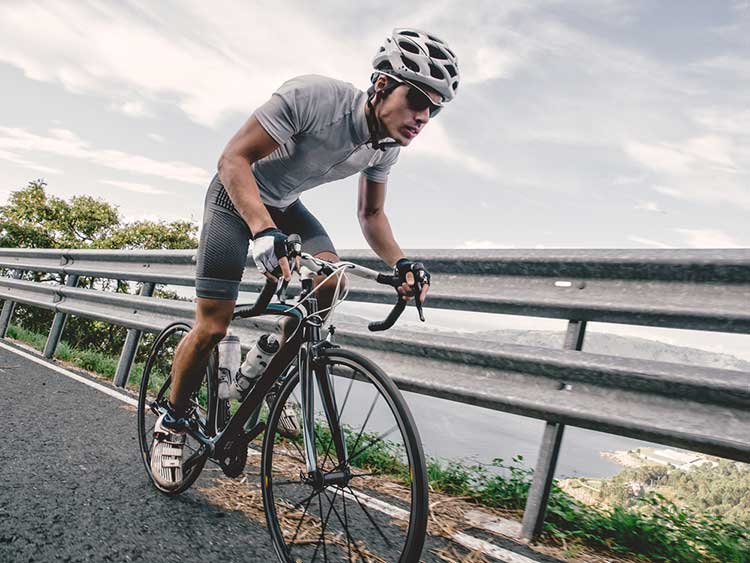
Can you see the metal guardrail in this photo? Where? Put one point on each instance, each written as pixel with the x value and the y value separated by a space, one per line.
pixel 703 409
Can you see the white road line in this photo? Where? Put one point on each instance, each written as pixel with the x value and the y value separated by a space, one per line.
pixel 465 540
pixel 494 524
pixel 469 542
pixel 98 386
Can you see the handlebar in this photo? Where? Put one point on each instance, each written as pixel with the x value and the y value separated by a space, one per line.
pixel 318 266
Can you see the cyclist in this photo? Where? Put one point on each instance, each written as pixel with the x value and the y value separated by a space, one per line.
pixel 312 131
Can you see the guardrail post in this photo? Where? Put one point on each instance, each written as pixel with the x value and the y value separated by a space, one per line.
pixel 536 504
pixel 58 323
pixel 131 344
pixel 8 308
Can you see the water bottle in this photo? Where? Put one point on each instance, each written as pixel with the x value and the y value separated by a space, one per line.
pixel 256 362
pixel 230 356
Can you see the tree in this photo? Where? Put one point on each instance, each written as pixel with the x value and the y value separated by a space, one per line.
pixel 34 219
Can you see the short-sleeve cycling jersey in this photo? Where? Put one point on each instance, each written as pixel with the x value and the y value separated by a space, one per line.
pixel 322 132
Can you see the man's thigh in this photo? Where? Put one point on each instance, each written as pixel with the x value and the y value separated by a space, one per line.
pixel 297 219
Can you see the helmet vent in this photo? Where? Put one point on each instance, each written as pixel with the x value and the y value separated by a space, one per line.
pixel 409 33
pixel 451 52
pixel 381 49
pixel 451 70
pixel 410 64
pixel 455 86
pixel 409 46
pixel 435 72
pixel 436 52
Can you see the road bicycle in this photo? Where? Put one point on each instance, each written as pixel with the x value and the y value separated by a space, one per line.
pixel 350 484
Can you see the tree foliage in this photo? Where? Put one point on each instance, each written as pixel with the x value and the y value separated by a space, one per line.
pixel 35 219
pixel 720 489
pixel 32 218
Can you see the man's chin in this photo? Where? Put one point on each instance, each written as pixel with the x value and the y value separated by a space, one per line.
pixel 403 141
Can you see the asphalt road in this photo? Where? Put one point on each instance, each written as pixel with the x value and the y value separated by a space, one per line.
pixel 74 489
pixel 73 486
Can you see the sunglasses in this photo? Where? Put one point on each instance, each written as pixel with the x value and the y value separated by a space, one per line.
pixel 416 98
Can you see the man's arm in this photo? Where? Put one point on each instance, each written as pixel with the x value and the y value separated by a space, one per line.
pixel 373 220
pixel 377 230
pixel 249 144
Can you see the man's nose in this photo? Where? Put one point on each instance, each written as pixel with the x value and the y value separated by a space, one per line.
pixel 422 116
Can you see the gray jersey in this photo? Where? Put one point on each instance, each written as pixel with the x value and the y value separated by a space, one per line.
pixel 322 132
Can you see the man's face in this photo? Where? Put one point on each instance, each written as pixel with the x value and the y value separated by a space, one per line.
pixel 401 121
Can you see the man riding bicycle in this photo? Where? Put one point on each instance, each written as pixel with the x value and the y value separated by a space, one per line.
pixel 312 131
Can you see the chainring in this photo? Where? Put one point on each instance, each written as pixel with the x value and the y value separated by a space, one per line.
pixel 233 457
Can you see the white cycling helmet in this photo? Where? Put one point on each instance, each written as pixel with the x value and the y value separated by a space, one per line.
pixel 417 56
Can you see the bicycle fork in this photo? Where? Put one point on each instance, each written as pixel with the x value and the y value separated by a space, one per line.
pixel 314 373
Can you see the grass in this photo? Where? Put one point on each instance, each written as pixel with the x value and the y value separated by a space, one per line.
pixel 655 530
pixel 90 360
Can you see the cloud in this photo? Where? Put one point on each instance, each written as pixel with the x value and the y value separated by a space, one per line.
pixel 435 142
pixel 659 158
pixel 133 187
pixel 672 192
pixel 156 137
pixel 65 143
pixel 483 244
pixel 198 57
pixel 648 242
pixel 18 160
pixel 134 108
pixel 710 169
pixel 649 206
pixel 708 238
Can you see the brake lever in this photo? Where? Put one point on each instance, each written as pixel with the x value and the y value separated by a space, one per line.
pixel 418 298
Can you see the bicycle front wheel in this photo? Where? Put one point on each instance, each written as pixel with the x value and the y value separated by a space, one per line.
pixel 369 504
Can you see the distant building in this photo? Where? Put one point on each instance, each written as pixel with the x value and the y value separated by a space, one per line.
pixel 672 458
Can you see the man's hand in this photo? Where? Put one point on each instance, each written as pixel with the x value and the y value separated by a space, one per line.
pixel 411 272
pixel 270 253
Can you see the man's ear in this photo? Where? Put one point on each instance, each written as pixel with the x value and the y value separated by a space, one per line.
pixel 381 83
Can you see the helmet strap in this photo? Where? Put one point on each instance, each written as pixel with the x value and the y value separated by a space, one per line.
pixel 373 123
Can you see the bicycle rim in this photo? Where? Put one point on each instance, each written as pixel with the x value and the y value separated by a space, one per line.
pixel 380 513
pixel 154 392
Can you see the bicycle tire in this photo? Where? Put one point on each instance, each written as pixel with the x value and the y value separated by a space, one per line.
pixel 156 375
pixel 273 475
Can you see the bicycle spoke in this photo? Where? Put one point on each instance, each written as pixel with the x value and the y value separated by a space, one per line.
pixel 323 532
pixel 327 448
pixel 345 524
pixel 295 506
pixel 369 517
pixel 361 475
pixel 346 397
pixel 367 419
pixel 285 483
pixel 375 441
pixel 296 532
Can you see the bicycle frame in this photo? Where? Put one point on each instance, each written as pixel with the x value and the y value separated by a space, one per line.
pixel 309 373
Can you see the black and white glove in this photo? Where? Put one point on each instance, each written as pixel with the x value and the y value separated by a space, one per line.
pixel 403 266
pixel 269 246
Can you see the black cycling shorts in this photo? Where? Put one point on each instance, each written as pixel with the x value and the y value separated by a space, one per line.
pixel 222 251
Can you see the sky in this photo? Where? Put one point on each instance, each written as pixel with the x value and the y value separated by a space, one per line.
pixel 578 123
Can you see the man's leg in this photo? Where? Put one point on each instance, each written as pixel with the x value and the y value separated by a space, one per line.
pixel 212 317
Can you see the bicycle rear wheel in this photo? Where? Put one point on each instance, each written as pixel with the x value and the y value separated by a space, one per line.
pixel 154 393
pixel 371 507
